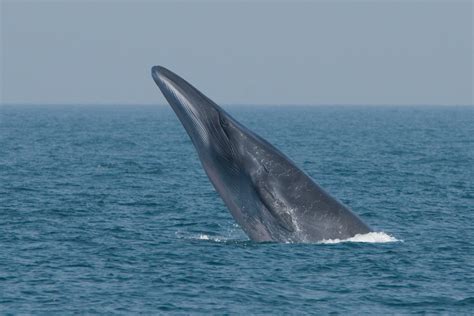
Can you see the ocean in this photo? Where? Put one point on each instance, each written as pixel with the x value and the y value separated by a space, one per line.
pixel 106 209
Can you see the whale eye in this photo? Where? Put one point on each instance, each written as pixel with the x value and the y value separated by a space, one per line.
pixel 223 121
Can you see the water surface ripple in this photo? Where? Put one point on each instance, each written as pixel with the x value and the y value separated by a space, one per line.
pixel 107 210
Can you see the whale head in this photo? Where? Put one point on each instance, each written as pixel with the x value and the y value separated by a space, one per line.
pixel 213 132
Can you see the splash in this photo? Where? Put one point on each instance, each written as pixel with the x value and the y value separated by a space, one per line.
pixel 200 236
pixel 373 237
pixel 212 238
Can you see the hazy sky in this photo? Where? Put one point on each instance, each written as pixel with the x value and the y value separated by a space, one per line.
pixel 320 52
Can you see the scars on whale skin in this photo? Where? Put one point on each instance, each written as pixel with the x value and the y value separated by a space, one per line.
pixel 266 193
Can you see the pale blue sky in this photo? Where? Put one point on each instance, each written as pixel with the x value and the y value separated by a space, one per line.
pixel 320 52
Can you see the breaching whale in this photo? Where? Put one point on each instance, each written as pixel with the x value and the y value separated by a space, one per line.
pixel 266 193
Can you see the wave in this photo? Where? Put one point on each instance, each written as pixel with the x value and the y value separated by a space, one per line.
pixel 373 237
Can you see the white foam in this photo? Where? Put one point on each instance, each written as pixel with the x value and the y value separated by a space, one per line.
pixel 373 237
pixel 212 238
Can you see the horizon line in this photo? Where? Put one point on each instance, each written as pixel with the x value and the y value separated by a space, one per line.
pixel 238 104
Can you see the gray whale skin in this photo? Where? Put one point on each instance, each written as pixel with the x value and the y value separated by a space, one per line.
pixel 266 193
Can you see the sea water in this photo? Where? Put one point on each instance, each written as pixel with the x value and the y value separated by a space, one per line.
pixel 106 209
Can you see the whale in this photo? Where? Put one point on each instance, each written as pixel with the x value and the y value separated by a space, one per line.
pixel 270 198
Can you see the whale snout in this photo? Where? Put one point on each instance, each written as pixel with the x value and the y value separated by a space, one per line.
pixel 155 73
pixel 182 96
pixel 159 74
pixel 199 115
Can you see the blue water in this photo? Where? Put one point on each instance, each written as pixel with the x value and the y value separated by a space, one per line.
pixel 107 210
